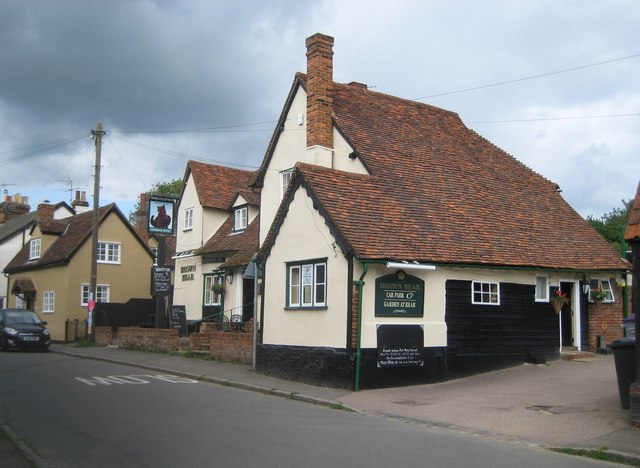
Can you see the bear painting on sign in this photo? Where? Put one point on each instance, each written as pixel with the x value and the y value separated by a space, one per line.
pixel 161 216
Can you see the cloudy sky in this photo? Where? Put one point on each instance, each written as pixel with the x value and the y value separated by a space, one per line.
pixel 552 82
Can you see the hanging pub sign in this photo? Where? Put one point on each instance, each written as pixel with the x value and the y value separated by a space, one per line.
pixel 399 295
pixel 161 216
pixel 400 345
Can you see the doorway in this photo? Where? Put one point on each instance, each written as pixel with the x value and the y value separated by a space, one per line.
pixel 570 319
pixel 566 316
pixel 247 299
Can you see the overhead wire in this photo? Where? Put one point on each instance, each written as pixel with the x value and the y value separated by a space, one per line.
pixel 532 77
pixel 33 150
pixel 542 119
pixel 180 154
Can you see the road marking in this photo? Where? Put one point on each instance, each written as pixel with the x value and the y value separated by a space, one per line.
pixel 133 379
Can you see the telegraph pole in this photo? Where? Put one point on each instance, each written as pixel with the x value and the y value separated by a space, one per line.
pixel 97 134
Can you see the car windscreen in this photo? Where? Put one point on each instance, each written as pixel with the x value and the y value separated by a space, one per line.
pixel 21 317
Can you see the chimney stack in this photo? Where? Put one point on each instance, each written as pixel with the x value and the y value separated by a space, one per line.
pixel 13 206
pixel 320 91
pixel 80 204
pixel 45 210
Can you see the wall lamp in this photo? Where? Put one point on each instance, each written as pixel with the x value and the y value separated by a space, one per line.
pixel 229 277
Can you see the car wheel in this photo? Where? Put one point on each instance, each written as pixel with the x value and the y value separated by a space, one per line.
pixel 44 349
pixel 3 343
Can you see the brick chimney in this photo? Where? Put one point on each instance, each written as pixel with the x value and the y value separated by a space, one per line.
pixel 80 204
pixel 13 206
pixel 320 91
pixel 45 210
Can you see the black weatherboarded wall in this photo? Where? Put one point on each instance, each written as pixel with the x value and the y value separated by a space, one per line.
pixel 487 337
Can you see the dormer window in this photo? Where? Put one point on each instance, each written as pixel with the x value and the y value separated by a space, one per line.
pixel 34 248
pixel 240 218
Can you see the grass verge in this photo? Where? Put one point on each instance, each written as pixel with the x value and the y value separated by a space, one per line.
pixel 599 454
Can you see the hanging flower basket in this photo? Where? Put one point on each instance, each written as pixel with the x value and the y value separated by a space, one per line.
pixel 558 300
pixel 598 295
pixel 218 288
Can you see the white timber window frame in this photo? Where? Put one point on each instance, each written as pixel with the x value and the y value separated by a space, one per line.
pixel 542 288
pixel 307 284
pixel 285 180
pixel 48 302
pixel 102 293
pixel 109 252
pixel 485 293
pixel 240 218
pixel 188 219
pixel 35 248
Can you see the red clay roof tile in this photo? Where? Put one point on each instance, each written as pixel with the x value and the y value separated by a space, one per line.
pixel 441 193
pixel 217 186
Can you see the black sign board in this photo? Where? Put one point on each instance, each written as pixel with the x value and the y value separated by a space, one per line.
pixel 178 318
pixel 400 345
pixel 160 281
pixel 399 295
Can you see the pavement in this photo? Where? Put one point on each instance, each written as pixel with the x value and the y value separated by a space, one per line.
pixel 560 404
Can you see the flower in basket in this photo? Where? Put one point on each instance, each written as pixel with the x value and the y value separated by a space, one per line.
pixel 558 299
pixel 598 294
pixel 559 296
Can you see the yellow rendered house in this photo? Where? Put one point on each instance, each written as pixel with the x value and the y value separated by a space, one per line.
pixel 51 273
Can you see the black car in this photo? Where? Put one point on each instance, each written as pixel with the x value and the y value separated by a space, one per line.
pixel 23 329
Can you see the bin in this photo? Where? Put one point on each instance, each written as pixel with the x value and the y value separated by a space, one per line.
pixel 629 325
pixel 624 354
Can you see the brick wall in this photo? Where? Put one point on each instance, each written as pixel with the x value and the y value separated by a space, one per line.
pixel 148 339
pixel 200 341
pixel 605 319
pixel 234 347
pixel 104 336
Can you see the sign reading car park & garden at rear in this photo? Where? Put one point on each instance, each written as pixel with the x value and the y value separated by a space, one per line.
pixel 399 295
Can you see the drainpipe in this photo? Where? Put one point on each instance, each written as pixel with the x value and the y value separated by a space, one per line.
pixel 360 285
pixel 625 289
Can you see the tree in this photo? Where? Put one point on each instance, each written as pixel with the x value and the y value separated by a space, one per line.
pixel 172 189
pixel 611 225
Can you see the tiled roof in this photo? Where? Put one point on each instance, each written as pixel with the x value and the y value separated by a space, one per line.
pixel 252 198
pixel 632 232
pixel 438 192
pixel 16 224
pixel 217 186
pixel 77 230
pixel 239 247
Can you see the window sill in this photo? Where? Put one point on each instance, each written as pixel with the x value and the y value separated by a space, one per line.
pixel 307 308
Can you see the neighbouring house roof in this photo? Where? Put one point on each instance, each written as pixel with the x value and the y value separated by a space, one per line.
pixel 438 192
pixel 217 186
pixel 237 247
pixel 23 222
pixel 16 224
pixel 72 233
pixel 632 232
